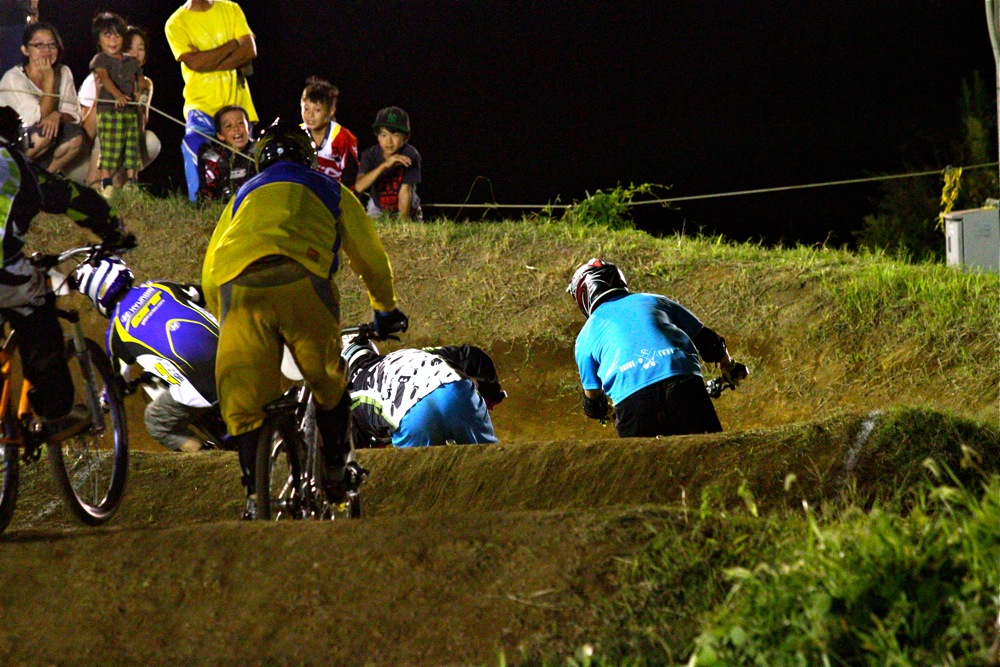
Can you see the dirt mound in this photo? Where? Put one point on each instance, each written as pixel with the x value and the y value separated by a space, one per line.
pixel 465 550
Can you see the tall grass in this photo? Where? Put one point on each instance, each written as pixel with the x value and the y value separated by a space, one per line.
pixel 938 314
pixel 910 580
pixel 871 589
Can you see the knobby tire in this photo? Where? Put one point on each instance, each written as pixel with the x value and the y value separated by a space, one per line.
pixel 279 472
pixel 91 469
pixel 10 476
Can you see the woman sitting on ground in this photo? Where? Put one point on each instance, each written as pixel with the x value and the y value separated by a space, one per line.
pixel 42 92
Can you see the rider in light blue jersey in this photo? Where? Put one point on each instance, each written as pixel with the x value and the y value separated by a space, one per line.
pixel 642 351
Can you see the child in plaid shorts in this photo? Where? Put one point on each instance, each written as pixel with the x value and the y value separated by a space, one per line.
pixel 120 77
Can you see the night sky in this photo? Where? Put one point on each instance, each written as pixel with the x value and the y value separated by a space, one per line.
pixel 551 100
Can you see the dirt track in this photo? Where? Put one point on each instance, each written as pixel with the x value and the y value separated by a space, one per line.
pixel 465 550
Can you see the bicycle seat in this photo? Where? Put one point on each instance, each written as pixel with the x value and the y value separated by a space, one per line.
pixel 288 366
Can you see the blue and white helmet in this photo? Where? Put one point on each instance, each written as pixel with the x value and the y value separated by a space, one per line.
pixel 105 283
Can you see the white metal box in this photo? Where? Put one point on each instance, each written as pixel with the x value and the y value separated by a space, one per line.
pixel 972 238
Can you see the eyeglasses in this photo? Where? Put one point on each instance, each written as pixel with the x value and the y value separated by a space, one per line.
pixel 51 46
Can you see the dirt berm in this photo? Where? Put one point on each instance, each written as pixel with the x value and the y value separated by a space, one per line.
pixel 464 551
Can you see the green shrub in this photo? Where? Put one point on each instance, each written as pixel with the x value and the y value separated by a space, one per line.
pixel 610 209
pixel 878 589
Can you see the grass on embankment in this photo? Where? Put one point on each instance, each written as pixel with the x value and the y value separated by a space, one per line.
pixel 909 578
pixel 823 330
pixel 891 572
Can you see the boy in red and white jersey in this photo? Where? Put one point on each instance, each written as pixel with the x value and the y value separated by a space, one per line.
pixel 336 147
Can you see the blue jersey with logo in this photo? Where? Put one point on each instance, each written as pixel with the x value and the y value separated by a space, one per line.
pixel 164 328
pixel 634 340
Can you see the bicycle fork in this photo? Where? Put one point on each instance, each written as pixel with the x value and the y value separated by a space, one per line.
pixel 90 384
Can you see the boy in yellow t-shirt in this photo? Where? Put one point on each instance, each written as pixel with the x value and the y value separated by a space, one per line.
pixel 214 68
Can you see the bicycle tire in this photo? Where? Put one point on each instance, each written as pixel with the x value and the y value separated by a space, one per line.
pixel 10 477
pixel 91 469
pixel 279 472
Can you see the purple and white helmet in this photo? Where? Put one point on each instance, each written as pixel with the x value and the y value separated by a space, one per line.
pixel 105 283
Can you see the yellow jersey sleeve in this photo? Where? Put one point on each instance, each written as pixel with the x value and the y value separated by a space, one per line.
pixel 208 285
pixel 364 251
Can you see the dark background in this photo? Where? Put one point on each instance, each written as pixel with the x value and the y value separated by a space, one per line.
pixel 551 100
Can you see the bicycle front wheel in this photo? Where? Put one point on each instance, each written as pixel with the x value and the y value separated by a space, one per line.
pixel 9 477
pixel 279 472
pixel 91 468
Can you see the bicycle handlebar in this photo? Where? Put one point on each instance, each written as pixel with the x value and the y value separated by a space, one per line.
pixel 716 386
pixel 366 331
pixel 87 253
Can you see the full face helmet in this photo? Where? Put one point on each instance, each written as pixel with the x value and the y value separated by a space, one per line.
pixel 355 349
pixel 281 141
pixel 595 281
pixel 104 284
pixel 12 130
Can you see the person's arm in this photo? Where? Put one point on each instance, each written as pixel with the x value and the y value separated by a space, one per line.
pixel 469 359
pixel 367 179
pixel 231 55
pixel 350 174
pixel 49 102
pixel 712 348
pixel 208 285
pixel 475 363
pixel 146 99
pixel 405 201
pixel 595 404
pixel 210 60
pixel 364 251
pixel 89 121
pixel 102 76
pixel 69 103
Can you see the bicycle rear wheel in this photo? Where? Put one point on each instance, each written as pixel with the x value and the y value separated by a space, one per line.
pixel 9 478
pixel 91 468
pixel 279 472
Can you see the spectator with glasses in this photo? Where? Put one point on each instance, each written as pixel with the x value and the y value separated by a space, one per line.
pixel 42 92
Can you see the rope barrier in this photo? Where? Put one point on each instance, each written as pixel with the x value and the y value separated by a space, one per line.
pixel 953 172
pixel 736 193
pixel 140 104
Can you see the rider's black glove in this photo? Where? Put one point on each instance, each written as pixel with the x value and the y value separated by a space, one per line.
pixel 394 321
pixel 735 374
pixel 596 408
pixel 120 239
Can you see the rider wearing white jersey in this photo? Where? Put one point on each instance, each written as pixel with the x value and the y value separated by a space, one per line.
pixel 417 398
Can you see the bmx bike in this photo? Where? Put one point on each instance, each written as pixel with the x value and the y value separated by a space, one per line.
pixel 91 467
pixel 290 470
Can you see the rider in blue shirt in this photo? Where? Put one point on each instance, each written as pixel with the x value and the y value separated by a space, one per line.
pixel 164 328
pixel 642 350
